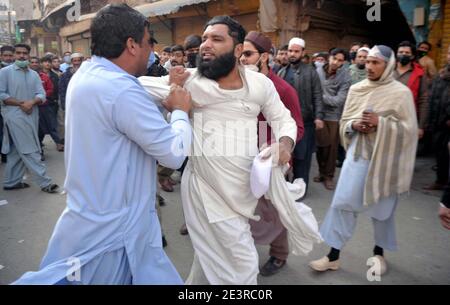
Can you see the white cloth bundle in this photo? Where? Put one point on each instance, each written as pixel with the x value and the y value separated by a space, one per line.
pixel 297 218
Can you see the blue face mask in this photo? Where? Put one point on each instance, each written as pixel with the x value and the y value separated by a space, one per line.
pixel 151 59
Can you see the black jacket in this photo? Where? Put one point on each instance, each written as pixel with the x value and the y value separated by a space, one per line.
pixel 439 104
pixel 156 70
pixel 307 83
pixel 55 81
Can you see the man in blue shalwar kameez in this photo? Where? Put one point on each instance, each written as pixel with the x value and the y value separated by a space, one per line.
pixel 21 92
pixel 109 233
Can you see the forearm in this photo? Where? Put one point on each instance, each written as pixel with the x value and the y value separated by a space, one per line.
pixel 12 102
pixel 157 87
pixel 334 101
pixel 180 146
pixel 338 100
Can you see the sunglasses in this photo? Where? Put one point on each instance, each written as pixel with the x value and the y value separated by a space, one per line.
pixel 249 53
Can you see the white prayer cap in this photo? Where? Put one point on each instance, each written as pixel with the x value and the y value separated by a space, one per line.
pixel 76 55
pixel 297 41
pixel 365 49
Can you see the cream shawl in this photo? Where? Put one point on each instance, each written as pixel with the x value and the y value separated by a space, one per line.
pixel 392 148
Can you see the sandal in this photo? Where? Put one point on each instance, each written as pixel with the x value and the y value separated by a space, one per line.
pixel 51 188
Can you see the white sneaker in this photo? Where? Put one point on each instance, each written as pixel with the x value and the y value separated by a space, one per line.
pixel 382 262
pixel 324 264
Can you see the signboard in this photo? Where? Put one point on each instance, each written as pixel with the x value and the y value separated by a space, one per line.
pixel 26 10
pixel 435 12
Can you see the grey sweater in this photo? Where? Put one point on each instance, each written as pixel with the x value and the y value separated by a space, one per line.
pixel 335 90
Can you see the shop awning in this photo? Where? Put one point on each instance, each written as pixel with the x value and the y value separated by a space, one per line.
pixel 165 7
pixel 65 5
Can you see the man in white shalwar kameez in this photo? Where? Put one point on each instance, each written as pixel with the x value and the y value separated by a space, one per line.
pixel 215 188
pixel 379 130
pixel 109 232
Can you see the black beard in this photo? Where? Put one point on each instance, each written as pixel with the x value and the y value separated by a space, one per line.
pixel 295 61
pixel 218 67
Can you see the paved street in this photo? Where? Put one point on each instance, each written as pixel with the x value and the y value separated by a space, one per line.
pixel 27 222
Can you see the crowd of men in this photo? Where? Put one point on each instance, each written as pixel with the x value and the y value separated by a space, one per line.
pixel 364 109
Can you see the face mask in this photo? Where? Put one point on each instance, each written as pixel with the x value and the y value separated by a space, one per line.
pixel 256 67
pixel 353 55
pixel 319 64
pixel 151 59
pixel 66 59
pixel 421 54
pixel 404 59
pixel 5 64
pixel 253 68
pixel 22 63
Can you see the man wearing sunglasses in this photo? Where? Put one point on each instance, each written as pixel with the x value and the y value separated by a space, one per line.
pixel 255 56
pixel 306 81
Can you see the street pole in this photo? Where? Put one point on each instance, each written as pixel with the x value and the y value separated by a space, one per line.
pixel 9 23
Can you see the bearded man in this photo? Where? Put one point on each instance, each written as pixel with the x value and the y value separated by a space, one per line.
pixel 215 188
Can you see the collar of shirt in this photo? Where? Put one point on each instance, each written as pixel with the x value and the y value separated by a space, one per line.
pixel 112 66
pixel 107 63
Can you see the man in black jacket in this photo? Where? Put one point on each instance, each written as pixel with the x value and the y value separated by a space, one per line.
pixel 440 124
pixel 305 80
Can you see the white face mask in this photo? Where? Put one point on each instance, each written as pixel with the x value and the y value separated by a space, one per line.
pixel 319 64
pixel 254 67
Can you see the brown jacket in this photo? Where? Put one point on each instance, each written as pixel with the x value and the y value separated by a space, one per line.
pixel 430 68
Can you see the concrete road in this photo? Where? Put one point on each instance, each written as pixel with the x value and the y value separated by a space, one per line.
pixel 27 221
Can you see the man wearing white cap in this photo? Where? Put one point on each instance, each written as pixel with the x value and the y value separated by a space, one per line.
pixel 305 80
pixel 358 69
pixel 379 131
pixel 76 59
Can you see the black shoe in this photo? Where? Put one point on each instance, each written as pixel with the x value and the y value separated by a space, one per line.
pixel 184 230
pixel 51 188
pixel 164 242
pixel 161 200
pixel 272 266
pixel 18 186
